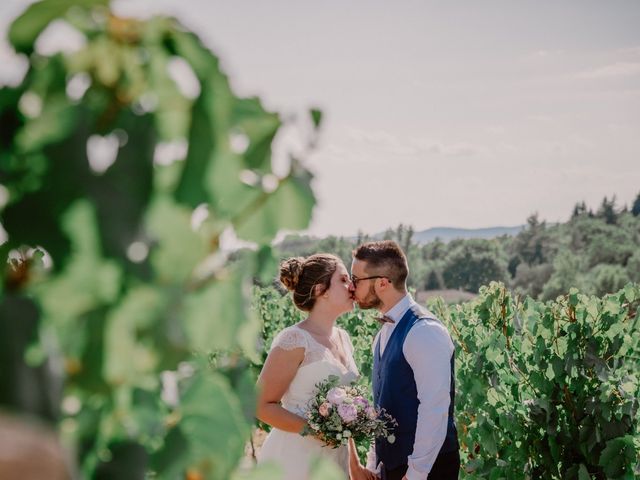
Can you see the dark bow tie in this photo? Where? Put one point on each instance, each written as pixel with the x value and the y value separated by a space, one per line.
pixel 384 319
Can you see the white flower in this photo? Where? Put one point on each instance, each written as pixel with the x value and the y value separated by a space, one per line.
pixel 391 438
pixel 336 395
pixel 346 433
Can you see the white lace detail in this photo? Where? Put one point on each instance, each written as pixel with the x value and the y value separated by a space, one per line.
pixel 296 337
pixel 290 338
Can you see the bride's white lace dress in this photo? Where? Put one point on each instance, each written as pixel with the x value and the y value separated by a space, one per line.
pixel 291 450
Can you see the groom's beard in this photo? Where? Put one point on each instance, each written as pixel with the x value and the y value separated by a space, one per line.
pixel 371 300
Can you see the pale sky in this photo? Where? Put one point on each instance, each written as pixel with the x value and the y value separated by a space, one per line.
pixel 470 115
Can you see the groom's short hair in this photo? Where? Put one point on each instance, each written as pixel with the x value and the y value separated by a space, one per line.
pixel 384 257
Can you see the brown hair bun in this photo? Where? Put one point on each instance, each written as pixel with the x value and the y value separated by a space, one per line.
pixel 290 271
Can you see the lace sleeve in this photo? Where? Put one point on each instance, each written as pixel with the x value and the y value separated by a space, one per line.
pixel 289 338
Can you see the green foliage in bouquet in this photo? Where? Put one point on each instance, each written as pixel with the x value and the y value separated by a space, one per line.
pixel 548 390
pixel 340 412
pixel 110 284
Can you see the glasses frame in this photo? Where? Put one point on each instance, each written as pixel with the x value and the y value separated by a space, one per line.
pixel 355 279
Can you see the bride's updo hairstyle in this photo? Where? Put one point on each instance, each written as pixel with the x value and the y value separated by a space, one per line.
pixel 300 275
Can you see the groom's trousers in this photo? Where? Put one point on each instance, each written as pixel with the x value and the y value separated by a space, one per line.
pixel 446 467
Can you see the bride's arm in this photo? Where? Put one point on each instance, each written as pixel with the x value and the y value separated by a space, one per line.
pixel 356 470
pixel 274 380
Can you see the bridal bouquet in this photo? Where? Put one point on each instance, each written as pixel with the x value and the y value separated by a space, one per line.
pixel 337 413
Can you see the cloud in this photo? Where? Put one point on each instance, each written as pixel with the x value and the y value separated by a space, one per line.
pixel 615 70
pixel 410 145
pixel 542 53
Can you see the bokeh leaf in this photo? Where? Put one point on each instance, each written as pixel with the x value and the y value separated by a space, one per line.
pixel 127 359
pixel 276 212
pixel 214 314
pixel 177 248
pixel 325 469
pixel 24 30
pixel 209 439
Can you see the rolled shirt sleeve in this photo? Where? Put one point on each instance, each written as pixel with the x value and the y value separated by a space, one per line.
pixel 428 349
pixel 372 462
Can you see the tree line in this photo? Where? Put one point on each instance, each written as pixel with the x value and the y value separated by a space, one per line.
pixel 596 251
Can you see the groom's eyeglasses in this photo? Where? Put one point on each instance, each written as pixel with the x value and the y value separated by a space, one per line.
pixel 355 279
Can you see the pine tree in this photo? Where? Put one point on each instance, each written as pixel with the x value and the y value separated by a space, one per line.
pixel 579 210
pixel 607 210
pixel 636 206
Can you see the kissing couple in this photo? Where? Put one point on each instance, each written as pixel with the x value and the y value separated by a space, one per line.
pixel 413 369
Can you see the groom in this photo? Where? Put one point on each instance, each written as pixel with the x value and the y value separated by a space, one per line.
pixel 413 371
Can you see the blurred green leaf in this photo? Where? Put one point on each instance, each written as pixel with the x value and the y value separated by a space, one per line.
pixel 122 193
pixel 57 120
pixel 212 431
pixel 178 249
pixel 188 45
pixel 88 280
pixel 264 471
pixel 133 289
pixel 325 469
pixel 214 314
pixel 260 127
pixel 173 112
pixel 204 137
pixel 24 30
pixel 11 120
pixel 127 359
pixel 128 461
pixel 276 212
pixel 267 264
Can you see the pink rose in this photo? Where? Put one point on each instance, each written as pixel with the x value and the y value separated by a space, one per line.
pixel 371 413
pixel 361 402
pixel 348 412
pixel 324 409
pixel 336 395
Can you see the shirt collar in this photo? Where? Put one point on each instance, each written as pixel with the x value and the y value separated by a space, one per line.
pixel 396 312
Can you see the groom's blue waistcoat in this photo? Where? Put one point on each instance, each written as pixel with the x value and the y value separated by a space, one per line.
pixel 394 389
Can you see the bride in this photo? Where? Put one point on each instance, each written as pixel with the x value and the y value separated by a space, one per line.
pixel 301 356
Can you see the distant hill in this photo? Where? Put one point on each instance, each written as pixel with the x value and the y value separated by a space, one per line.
pixel 447 234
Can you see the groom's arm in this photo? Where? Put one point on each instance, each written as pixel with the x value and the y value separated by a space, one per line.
pixel 428 349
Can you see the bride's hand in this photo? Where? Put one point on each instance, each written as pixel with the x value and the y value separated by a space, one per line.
pixel 358 472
